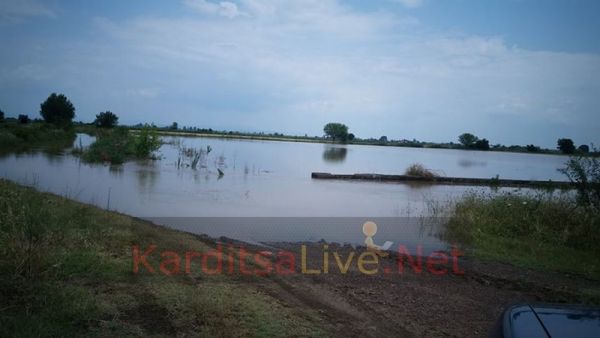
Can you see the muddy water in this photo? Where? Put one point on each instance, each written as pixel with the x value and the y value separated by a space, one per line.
pixel 272 179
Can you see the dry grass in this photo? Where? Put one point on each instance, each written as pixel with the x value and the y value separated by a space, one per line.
pixel 418 170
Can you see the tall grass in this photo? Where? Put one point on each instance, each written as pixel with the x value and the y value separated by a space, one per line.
pixel 536 230
pixel 37 252
pixel 192 157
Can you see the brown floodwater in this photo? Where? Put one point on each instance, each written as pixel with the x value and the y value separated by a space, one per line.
pixel 266 179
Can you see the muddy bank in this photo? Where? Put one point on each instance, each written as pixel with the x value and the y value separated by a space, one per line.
pixel 460 303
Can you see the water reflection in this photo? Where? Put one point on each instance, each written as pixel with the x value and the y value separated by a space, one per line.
pixel 53 157
pixel 466 163
pixel 116 170
pixel 146 177
pixel 334 153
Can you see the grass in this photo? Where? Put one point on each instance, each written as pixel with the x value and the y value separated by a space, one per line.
pixel 15 137
pixel 544 232
pixel 66 270
pixel 418 170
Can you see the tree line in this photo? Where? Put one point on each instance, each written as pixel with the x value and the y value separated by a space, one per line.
pixel 58 110
pixel 339 132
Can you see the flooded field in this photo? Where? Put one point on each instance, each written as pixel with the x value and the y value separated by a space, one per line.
pixel 266 194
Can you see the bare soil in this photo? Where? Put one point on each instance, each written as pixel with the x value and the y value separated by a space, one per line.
pixel 411 304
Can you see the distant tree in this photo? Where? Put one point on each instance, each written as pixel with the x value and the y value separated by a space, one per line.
pixel 383 139
pixel 336 131
pixel 584 148
pixel 106 120
pixel 58 110
pixel 467 140
pixel 23 118
pixel 482 144
pixel 174 126
pixel 1 116
pixel 351 137
pixel 566 145
pixel 532 148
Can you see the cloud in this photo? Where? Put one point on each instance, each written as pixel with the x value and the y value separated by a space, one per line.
pixel 291 66
pixel 143 92
pixel 17 10
pixel 224 8
pixel 410 3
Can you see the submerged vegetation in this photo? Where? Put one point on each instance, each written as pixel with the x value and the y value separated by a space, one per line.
pixel 119 144
pixel 418 170
pixel 192 157
pixel 66 270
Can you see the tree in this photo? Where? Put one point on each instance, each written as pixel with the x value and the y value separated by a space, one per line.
pixel 482 144
pixel 174 126
pixel 336 131
pixel 566 145
pixel 1 116
pixel 532 148
pixel 106 120
pixel 23 118
pixel 584 172
pixel 584 148
pixel 351 137
pixel 383 139
pixel 58 110
pixel 467 140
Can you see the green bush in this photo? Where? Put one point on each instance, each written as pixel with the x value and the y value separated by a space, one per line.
pixel 118 145
pixel 37 135
pixel 584 172
pixel 111 146
pixel 146 143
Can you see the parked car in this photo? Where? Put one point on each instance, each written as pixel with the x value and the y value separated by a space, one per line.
pixel 548 320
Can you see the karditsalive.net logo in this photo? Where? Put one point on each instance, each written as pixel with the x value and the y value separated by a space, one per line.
pixel 308 259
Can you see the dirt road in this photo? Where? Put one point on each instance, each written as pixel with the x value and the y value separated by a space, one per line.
pixel 409 304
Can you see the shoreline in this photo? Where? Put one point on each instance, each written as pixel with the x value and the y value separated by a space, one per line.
pixel 333 303
pixel 322 141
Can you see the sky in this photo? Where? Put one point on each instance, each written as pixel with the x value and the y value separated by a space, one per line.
pixel 511 71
